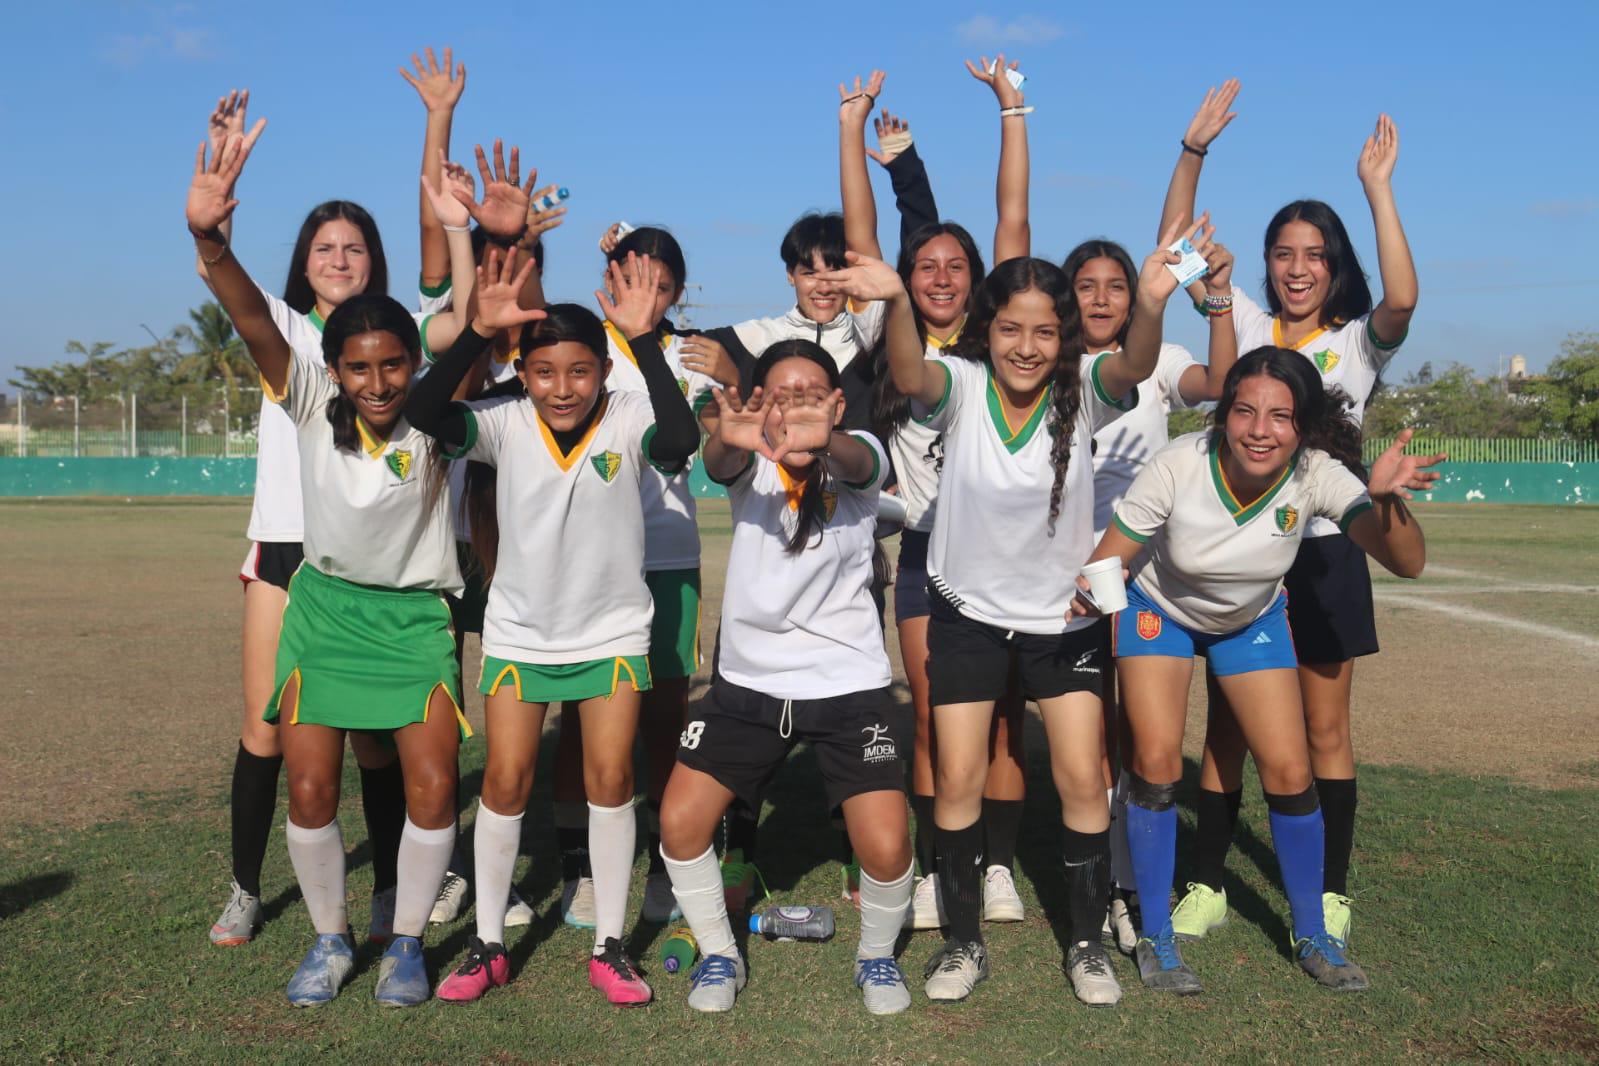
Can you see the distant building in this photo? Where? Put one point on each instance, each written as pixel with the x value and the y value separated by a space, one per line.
pixel 1518 367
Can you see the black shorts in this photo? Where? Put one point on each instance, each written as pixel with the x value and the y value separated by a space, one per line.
pixel 466 610
pixel 272 561
pixel 1330 612
pixel 970 661
pixel 737 735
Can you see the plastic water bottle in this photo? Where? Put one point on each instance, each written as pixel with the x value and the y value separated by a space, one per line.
pixel 679 950
pixel 550 199
pixel 793 923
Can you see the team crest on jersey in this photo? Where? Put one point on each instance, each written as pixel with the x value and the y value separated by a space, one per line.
pixel 1148 625
pixel 1325 360
pixel 400 462
pixel 682 386
pixel 829 503
pixel 1287 518
pixel 606 464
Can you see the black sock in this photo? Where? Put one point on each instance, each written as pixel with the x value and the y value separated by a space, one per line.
pixel 1338 815
pixel 574 846
pixel 1087 857
pixel 1215 816
pixel 740 827
pixel 960 879
pixel 1002 823
pixel 657 864
pixel 383 803
pixel 255 797
pixel 922 807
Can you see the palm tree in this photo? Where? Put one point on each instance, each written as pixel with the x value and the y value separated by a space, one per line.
pixel 215 351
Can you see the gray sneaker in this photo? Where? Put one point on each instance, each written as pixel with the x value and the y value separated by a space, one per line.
pixel 517 911
pixel 1162 967
pixel 882 985
pixel 381 927
pixel 717 981
pixel 1323 958
pixel 954 970
pixel 1121 923
pixel 240 919
pixel 453 894
pixel 1088 966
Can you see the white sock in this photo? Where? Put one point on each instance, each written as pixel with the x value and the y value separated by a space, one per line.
pixel 883 907
pixel 1121 860
pixel 612 834
pixel 424 856
pixel 697 884
pixel 494 845
pixel 318 858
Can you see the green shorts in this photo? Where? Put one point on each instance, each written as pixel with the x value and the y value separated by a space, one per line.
pixel 675 633
pixel 466 610
pixel 366 658
pixel 546 683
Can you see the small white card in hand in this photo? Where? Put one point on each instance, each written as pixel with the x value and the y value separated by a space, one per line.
pixel 1015 77
pixel 1191 267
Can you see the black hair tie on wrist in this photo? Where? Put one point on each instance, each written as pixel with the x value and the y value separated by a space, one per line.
pixel 1201 153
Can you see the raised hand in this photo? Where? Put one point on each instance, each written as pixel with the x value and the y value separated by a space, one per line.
pixel 704 355
pixel 540 222
pixel 227 118
pixel 503 210
pixel 630 304
pixel 865 278
pixel 499 279
pixel 211 201
pixel 893 137
pixel 1213 115
pixel 1008 94
pixel 740 423
pixel 1396 474
pixel 450 197
pixel 854 105
pixel 1379 154
pixel 808 417
pixel 1155 282
pixel 1219 270
pixel 439 88
pixel 611 237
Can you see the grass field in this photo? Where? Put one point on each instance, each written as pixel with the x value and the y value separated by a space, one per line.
pixel 1476 866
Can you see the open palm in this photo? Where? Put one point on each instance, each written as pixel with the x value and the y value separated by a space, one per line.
pixel 741 424
pixel 809 416
pixel 1397 474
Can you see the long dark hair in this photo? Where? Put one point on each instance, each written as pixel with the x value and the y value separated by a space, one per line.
pixel 812 516
pixel 1321 415
pixel 566 322
pixel 1104 248
pixel 297 292
pixel 1348 295
pixel 369 312
pixel 659 245
pixel 891 408
pixel 1006 280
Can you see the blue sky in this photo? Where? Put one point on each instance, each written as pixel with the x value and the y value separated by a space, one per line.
pixel 719 120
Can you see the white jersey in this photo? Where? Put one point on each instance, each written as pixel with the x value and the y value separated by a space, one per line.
pixel 500 368
pixel 368 516
pixel 853 332
pixel 1349 356
pixel 569 578
pixel 992 554
pixel 1122 449
pixel 802 626
pixel 912 448
pixel 432 299
pixel 1213 563
pixel 671 534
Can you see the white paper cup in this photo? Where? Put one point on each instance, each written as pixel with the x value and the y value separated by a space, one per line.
pixel 1105 585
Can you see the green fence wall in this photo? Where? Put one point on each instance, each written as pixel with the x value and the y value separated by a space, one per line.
pixel 1508 482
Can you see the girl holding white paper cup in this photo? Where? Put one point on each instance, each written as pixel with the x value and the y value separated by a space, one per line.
pixel 1214 522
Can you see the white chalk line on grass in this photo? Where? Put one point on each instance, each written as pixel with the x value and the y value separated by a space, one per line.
pixel 1492 590
pixel 1435 570
pixel 1471 614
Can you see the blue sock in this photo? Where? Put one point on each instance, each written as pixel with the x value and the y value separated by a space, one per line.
pixel 1152 845
pixel 1298 841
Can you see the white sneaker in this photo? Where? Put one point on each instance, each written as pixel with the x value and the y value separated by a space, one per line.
pixel 717 981
pixel 1088 966
pixel 517 911
pixel 927 905
pixel 882 986
pixel 577 903
pixel 381 928
pixel 1001 903
pixel 240 919
pixel 955 970
pixel 660 903
pixel 453 893
pixel 1121 925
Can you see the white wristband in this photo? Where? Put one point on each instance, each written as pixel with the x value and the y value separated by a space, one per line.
pixel 456 229
pixel 1008 112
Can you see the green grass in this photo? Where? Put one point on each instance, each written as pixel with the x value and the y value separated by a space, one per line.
pixel 1474 921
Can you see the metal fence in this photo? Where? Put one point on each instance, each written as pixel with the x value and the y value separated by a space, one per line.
pixel 1495 449
pixel 206 423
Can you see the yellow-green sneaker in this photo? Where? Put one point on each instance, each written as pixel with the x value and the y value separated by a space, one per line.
pixel 1335 915
pixel 1201 909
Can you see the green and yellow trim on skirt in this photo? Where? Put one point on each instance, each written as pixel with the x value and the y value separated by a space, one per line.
pixel 552 683
pixel 363 657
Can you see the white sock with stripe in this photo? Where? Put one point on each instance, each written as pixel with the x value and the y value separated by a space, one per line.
pixel 424 856
pixel 494 845
pixel 883 907
pixel 697 884
pixel 612 833
pixel 318 858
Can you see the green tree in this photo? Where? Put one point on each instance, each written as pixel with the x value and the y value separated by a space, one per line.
pixel 214 352
pixel 1454 403
pixel 1569 390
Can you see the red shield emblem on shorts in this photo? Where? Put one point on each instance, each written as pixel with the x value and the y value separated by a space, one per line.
pixel 1148 625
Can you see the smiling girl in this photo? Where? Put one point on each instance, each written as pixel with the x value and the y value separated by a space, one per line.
pixel 1215 520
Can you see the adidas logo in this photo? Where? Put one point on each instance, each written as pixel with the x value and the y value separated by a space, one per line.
pixel 1261 638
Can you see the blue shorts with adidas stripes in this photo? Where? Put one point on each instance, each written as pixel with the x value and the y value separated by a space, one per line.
pixel 1264 644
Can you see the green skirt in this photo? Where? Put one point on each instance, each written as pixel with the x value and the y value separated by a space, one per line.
pixel 366 658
